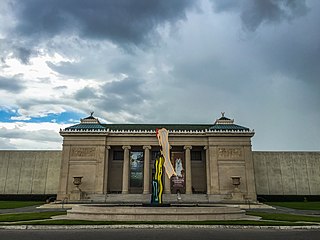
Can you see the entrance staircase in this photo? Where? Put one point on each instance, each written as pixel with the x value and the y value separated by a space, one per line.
pixel 146 198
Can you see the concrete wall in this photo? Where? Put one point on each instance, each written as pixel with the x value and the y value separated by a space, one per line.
pixel 29 172
pixel 276 173
pixel 287 173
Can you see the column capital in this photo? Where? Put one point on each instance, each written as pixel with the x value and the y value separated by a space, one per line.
pixel 187 147
pixel 206 147
pixel 126 147
pixel 108 147
pixel 146 147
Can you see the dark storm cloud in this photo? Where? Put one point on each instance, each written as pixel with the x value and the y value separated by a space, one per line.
pixel 85 93
pixel 18 50
pixel 13 85
pixel 23 54
pixel 123 22
pixel 255 12
pixel 123 95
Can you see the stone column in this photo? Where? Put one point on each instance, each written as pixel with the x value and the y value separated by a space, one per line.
pixel 100 169
pixel 214 171
pixel 125 171
pixel 188 170
pixel 106 170
pixel 208 177
pixel 146 170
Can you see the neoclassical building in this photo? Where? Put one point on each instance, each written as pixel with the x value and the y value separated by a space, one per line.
pixel 116 161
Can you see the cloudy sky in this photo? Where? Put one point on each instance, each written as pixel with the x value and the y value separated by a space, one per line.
pixel 168 61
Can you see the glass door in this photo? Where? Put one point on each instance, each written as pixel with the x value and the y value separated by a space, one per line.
pixel 136 171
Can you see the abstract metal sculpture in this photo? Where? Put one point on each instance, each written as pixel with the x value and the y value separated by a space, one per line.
pixel 162 160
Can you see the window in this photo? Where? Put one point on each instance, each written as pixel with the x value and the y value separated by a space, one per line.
pixel 117 155
pixel 196 156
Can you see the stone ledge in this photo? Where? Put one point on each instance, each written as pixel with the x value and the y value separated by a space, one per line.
pixel 139 213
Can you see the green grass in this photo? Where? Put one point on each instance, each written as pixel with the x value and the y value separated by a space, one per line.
pixel 284 217
pixel 15 217
pixel 297 205
pixel 18 204
pixel 231 222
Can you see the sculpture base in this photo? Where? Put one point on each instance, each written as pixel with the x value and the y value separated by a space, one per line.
pixel 237 196
pixel 76 195
pixel 141 213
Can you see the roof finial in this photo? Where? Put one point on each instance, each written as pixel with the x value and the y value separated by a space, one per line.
pixel 91 113
pixel 222 113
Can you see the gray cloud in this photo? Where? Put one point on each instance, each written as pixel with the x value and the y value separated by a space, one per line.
pixel 39 135
pixel 128 94
pixel 60 88
pixel 253 13
pixel 5 144
pixel 266 77
pixel 124 98
pixel 13 85
pixel 20 50
pixel 23 54
pixel 123 22
pixel 70 69
pixel 85 93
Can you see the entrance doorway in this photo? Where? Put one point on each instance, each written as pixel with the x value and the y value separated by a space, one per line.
pixel 136 171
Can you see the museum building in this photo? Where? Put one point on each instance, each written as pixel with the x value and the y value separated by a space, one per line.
pixel 214 162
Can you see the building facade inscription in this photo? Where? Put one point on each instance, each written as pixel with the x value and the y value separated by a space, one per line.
pixel 229 153
pixel 83 152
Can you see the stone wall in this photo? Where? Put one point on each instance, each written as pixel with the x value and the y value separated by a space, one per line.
pixel 29 172
pixel 276 173
pixel 287 173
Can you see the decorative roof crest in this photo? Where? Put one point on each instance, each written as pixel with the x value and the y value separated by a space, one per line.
pixel 224 120
pixel 90 119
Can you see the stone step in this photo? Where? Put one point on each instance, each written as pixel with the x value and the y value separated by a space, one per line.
pixel 140 213
pixel 146 198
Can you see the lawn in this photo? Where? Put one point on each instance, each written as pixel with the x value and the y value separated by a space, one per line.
pixel 15 217
pixel 269 219
pixel 18 204
pixel 297 205
pixel 284 217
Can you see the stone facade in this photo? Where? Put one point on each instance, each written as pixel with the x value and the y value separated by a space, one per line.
pixel 102 155
pixel 276 173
